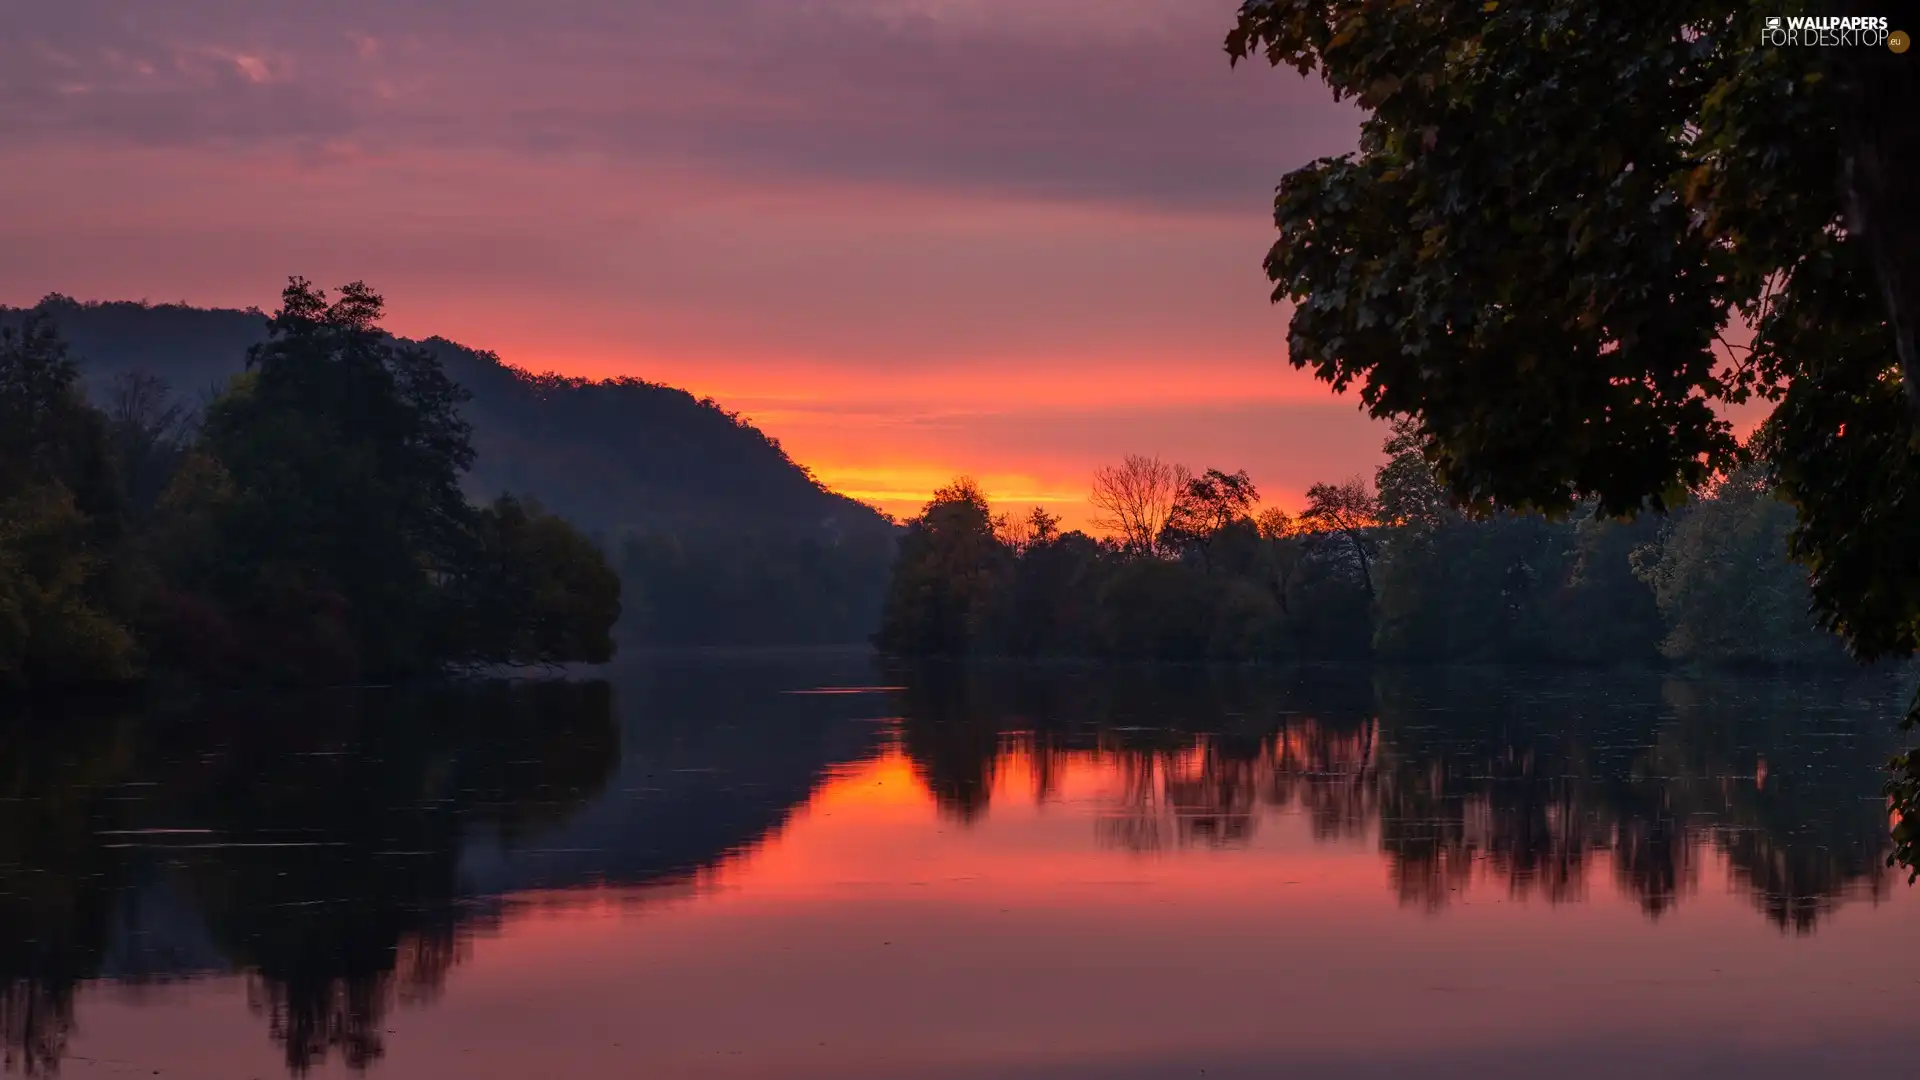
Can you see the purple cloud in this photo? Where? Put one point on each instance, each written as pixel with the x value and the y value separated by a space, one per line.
pixel 1071 100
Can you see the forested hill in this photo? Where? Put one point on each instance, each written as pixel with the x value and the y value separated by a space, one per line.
pixel 614 457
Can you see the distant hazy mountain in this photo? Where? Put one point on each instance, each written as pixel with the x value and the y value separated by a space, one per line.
pixel 613 456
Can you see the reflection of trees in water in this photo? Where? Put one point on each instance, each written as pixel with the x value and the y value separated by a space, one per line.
pixel 1791 788
pixel 1192 797
pixel 1529 780
pixel 955 754
pixel 1212 792
pixel 312 1017
pixel 366 906
pixel 57 882
pixel 318 838
pixel 961 723
pixel 36 1018
pixel 1478 783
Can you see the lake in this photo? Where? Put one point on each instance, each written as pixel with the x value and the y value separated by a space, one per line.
pixel 808 865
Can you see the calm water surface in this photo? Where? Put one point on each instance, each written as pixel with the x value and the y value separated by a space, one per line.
pixel 802 866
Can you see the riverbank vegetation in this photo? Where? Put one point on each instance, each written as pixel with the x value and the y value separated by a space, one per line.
pixel 1195 568
pixel 718 536
pixel 306 524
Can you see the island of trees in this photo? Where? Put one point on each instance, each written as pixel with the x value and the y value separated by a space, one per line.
pixel 307 525
pixel 718 536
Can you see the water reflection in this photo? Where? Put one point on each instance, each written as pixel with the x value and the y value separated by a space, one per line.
pixel 1531 780
pixel 313 843
pixel 342 850
pixel 342 854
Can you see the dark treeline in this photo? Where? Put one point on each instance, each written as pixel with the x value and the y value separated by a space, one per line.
pixel 752 585
pixel 718 536
pixel 306 523
pixel 1194 569
pixel 1535 780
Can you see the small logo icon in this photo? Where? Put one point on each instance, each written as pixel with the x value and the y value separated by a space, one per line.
pixel 1773 22
pixel 1898 41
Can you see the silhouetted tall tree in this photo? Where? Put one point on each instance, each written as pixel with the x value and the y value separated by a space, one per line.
pixel 344 452
pixel 1135 499
pixel 950 566
pixel 1347 517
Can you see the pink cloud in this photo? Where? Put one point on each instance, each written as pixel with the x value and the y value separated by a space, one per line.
pixel 984 235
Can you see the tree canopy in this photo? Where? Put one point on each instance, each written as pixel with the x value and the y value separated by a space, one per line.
pixel 1561 218
pixel 309 526
pixel 718 536
pixel 611 455
pixel 60 519
pixel 344 452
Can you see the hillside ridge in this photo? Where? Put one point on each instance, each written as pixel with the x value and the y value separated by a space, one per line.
pixel 615 456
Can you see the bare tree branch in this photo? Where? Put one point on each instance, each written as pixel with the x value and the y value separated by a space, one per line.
pixel 1135 499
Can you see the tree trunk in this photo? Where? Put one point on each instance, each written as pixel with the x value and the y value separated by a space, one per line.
pixel 1277 582
pixel 1882 178
pixel 1366 565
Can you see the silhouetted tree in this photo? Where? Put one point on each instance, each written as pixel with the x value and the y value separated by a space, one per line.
pixel 1205 507
pixel 536 592
pixel 1411 499
pixel 950 568
pixel 344 452
pixel 1721 579
pixel 1052 605
pixel 1135 499
pixel 1346 518
pixel 150 432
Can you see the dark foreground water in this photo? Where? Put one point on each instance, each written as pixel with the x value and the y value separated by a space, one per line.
pixel 800 866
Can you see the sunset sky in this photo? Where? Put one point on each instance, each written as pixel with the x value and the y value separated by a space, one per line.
pixel 909 238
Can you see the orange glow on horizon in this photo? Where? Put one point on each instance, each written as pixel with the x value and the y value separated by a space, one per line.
pixel 877 439
pixel 904 491
pixel 1027 429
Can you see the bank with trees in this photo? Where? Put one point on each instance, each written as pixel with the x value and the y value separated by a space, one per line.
pixel 1194 568
pixel 307 525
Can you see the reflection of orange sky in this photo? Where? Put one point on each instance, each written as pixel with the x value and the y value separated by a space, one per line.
pixel 866 825
pixel 872 937
pixel 874 827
